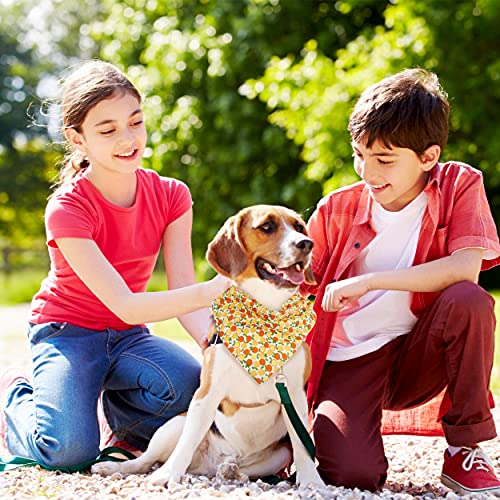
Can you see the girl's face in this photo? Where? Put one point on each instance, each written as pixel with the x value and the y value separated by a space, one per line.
pixel 113 135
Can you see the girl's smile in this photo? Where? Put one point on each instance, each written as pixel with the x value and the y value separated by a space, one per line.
pixel 128 156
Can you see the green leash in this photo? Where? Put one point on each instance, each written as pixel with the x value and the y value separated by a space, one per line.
pixel 294 418
pixel 106 455
pixel 299 427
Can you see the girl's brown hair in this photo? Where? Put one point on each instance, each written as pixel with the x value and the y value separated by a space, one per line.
pixel 92 82
pixel 406 110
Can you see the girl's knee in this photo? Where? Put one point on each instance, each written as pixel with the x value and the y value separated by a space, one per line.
pixel 56 452
pixel 182 393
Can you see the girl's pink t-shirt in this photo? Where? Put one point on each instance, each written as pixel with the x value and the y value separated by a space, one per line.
pixel 130 238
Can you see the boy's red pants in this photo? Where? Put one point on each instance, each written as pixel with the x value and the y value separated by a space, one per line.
pixel 451 346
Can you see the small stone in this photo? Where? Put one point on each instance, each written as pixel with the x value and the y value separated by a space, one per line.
pixel 398 468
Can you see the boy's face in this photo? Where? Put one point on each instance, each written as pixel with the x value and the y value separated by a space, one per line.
pixel 395 176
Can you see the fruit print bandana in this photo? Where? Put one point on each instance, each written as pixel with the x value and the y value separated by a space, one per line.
pixel 260 339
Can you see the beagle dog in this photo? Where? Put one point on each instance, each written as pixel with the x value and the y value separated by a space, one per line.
pixel 235 425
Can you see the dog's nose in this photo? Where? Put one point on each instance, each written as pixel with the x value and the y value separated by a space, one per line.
pixel 304 244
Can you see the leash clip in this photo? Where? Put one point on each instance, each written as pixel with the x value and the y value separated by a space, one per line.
pixel 280 378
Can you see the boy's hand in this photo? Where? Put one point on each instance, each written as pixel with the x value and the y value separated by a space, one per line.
pixel 339 294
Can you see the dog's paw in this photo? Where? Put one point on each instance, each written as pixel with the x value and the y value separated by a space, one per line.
pixel 164 477
pixel 228 471
pixel 105 468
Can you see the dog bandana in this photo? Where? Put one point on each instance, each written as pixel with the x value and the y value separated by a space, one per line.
pixel 260 339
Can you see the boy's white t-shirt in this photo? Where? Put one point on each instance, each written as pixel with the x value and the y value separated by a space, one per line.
pixel 380 315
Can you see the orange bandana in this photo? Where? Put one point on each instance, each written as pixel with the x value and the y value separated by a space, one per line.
pixel 260 339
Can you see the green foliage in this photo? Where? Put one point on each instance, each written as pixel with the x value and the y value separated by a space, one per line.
pixel 192 60
pixel 25 177
pixel 19 187
pixel 29 60
pixel 246 101
pixel 310 94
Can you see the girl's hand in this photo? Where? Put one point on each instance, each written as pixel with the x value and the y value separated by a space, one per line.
pixel 339 294
pixel 217 286
pixel 204 343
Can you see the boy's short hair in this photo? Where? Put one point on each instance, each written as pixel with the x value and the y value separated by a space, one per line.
pixel 406 110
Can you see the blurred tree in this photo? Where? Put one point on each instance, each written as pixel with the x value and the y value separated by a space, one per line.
pixel 191 58
pixel 36 41
pixel 22 178
pixel 248 101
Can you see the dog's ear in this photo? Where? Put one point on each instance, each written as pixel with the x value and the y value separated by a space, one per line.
pixel 225 252
pixel 309 275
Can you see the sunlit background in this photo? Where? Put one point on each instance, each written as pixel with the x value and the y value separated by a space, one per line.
pixel 247 101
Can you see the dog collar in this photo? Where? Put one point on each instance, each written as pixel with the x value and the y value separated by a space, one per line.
pixel 260 339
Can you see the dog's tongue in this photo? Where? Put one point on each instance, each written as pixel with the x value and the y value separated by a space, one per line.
pixel 292 274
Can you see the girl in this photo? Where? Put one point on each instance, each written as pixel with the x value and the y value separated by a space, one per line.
pixel 105 225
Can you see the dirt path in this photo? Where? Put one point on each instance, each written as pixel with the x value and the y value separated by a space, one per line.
pixel 14 347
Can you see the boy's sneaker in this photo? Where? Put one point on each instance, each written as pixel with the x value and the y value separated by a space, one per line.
pixel 8 377
pixel 469 471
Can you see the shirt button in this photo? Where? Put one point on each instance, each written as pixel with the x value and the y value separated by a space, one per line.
pixel 357 244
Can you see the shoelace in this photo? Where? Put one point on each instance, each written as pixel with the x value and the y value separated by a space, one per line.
pixel 476 456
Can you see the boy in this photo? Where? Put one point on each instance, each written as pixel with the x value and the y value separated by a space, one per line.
pixel 400 315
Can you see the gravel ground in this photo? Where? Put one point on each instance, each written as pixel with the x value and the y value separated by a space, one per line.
pixel 415 465
pixel 414 470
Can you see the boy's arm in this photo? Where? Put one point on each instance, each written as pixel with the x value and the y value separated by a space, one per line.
pixel 463 265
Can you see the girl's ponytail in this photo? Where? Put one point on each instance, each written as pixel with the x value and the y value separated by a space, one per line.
pixel 74 163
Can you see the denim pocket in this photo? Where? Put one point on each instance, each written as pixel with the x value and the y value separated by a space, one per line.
pixel 45 331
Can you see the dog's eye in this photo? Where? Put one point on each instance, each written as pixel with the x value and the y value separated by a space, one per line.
pixel 299 227
pixel 267 227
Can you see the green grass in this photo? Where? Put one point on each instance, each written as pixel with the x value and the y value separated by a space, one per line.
pixel 171 329
pixel 20 286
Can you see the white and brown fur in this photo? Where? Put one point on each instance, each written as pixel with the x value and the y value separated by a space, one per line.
pixel 235 427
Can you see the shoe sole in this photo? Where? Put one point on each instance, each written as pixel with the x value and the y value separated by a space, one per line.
pixel 458 488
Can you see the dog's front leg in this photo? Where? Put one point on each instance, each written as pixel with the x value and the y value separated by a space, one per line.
pixel 199 418
pixel 306 468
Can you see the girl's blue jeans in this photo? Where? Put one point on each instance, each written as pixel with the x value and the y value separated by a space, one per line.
pixel 145 380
